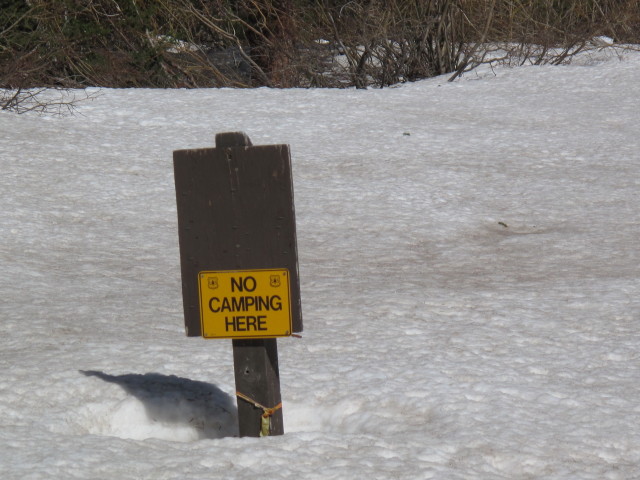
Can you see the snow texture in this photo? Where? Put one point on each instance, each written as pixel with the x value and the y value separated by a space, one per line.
pixel 470 275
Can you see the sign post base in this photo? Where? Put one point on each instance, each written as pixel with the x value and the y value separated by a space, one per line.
pixel 255 364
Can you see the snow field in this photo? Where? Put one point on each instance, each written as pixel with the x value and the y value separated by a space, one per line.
pixel 469 268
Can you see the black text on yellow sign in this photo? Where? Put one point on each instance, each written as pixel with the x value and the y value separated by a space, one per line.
pixel 245 303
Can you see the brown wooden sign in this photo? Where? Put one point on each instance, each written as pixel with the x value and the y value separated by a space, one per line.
pixel 236 214
pixel 239 262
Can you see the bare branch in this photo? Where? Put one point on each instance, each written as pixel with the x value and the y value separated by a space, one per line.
pixel 44 101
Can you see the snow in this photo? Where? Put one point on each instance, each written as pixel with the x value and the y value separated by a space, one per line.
pixel 469 268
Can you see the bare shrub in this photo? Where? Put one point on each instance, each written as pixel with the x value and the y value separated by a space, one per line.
pixel 44 101
pixel 518 32
pixel 243 44
pixel 286 43
pixel 385 42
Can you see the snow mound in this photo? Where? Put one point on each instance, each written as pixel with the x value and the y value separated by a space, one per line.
pixel 158 406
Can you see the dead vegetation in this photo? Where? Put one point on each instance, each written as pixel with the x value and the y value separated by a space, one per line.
pixel 287 43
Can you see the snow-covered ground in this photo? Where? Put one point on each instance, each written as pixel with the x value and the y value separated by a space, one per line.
pixel 470 274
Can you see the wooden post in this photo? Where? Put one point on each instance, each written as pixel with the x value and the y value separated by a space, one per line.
pixel 235 214
pixel 255 362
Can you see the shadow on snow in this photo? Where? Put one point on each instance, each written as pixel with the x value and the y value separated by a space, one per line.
pixel 174 400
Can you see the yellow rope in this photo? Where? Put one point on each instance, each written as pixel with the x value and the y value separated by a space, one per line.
pixel 265 422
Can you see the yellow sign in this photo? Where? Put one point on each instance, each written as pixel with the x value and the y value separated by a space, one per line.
pixel 245 303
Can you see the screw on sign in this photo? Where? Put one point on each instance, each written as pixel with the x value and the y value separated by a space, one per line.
pixel 239 263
